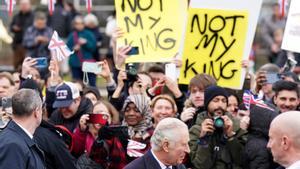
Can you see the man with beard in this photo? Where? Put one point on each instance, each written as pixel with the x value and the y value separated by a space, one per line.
pixel 214 138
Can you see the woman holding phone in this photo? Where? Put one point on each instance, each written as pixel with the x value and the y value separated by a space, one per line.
pixel 83 43
pixel 86 137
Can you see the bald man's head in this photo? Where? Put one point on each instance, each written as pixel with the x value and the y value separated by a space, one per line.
pixel 288 124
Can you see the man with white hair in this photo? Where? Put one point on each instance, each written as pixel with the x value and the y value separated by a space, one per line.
pixel 169 144
pixel 284 140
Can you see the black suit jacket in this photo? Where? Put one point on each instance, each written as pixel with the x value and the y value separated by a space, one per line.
pixel 148 161
pixel 18 150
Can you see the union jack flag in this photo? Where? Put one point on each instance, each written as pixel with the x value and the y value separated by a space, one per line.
pixel 10 6
pixel 134 148
pixel 51 6
pixel 59 48
pixel 88 4
pixel 283 4
pixel 249 98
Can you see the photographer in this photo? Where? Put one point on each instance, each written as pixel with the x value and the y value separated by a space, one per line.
pixel 95 137
pixel 214 142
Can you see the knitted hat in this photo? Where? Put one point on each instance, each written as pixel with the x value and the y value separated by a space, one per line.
pixel 31 84
pixel 213 91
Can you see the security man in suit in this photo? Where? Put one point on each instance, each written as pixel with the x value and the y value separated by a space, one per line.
pixel 18 149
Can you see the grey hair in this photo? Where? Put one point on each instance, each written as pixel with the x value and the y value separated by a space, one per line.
pixel 25 101
pixel 40 16
pixel 91 18
pixel 167 129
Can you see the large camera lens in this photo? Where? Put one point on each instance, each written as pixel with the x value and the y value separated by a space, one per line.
pixel 218 122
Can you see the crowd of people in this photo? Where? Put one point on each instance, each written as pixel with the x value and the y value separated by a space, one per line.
pixel 147 120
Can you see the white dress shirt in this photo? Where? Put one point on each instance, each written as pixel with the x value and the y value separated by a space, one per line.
pixel 162 165
pixel 296 165
pixel 26 131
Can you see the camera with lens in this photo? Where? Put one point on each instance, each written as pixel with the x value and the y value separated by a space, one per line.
pixel 132 72
pixel 218 123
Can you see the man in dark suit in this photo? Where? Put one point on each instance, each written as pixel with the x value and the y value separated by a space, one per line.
pixel 18 150
pixel 169 144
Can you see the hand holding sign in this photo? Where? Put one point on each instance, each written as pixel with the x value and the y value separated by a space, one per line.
pixel 117 33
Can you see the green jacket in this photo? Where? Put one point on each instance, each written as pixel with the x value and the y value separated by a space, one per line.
pixel 204 154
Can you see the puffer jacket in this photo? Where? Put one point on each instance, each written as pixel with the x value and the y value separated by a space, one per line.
pixel 216 152
pixel 257 156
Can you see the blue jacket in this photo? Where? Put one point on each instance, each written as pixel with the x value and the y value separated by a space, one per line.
pixel 86 51
pixel 18 150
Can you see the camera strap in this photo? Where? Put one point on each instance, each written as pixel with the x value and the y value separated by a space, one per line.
pixel 85 79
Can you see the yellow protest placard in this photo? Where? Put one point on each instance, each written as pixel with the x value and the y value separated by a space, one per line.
pixel 154 26
pixel 214 44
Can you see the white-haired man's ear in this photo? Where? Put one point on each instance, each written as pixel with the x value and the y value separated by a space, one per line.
pixel 165 145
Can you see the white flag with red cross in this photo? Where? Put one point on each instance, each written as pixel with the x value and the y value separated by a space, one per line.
pixel 283 4
pixel 58 48
pixel 135 149
pixel 51 6
pixel 88 4
pixel 10 6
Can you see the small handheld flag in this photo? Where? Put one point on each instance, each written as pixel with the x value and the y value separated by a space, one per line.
pixel 134 148
pixel 249 98
pixel 59 48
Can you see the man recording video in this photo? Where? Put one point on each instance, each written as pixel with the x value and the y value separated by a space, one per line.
pixel 214 142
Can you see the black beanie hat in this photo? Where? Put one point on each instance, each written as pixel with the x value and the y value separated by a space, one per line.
pixel 213 91
pixel 31 84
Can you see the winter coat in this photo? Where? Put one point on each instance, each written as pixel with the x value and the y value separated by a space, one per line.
pixel 215 151
pixel 86 51
pixel 85 107
pixel 257 156
pixel 23 21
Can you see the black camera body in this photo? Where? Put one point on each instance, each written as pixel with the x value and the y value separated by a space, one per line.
pixel 132 72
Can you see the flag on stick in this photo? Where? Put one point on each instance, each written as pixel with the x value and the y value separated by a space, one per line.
pixel 283 4
pixel 249 98
pixel 51 6
pixel 59 48
pixel 88 4
pixel 10 6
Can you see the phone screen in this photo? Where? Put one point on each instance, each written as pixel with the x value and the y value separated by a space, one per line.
pixel 133 51
pixel 91 67
pixel 272 77
pixel 170 71
pixel 97 119
pixel 42 62
pixel 6 102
